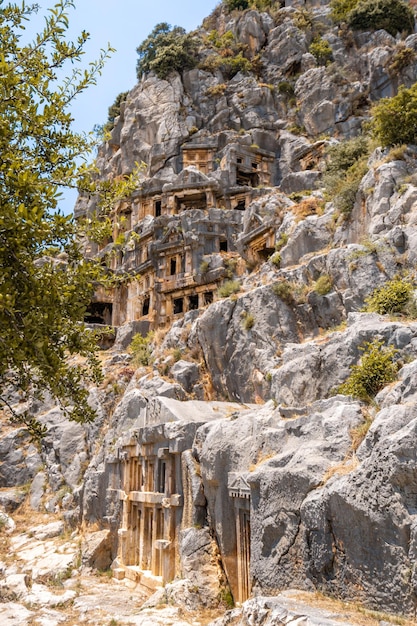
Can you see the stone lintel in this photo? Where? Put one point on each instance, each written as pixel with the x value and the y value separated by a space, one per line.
pixel 162 544
pixel 146 497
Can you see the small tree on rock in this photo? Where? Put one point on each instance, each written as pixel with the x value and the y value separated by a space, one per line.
pixel 394 16
pixel 166 49
pixel 394 120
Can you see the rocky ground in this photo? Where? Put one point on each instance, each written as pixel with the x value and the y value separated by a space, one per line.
pixel 43 583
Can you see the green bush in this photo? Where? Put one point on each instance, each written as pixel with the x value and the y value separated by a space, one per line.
pixel 275 259
pixel 394 16
pixel 340 9
pixel 228 55
pixel 402 58
pixel 204 267
pixel 114 110
pixel 346 153
pixel 323 285
pixel 282 241
pixel 348 188
pixel 229 65
pixel 394 120
pixel 286 89
pixel 393 297
pixel 321 50
pixel 285 291
pixel 240 5
pixel 345 168
pixel 228 288
pixel 166 49
pixel 376 369
pixel 141 350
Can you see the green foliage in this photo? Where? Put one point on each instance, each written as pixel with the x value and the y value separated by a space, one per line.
pixel 340 9
pixel 240 5
pixel 226 598
pixel 114 110
pixel 345 154
pixel 402 58
pixel 286 89
pixel 166 49
pixel 177 354
pixel 229 288
pixel 228 55
pixel 303 19
pixel 393 297
pixel 345 168
pixel 204 267
pixel 229 65
pixel 394 120
pixel 282 241
pixel 376 369
pixel 321 50
pixel 141 349
pixel 323 285
pixel 394 16
pixel 285 291
pixel 275 259
pixel 43 300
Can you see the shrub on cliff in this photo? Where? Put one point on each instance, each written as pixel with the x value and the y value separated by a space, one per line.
pixel 346 165
pixel 141 350
pixel 321 50
pixel 240 5
pixel 393 297
pixel 229 288
pixel 394 120
pixel 114 110
pixel 166 49
pixel 340 9
pixel 394 16
pixel 227 55
pixel 376 369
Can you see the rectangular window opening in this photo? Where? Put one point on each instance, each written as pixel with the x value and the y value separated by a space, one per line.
pixel 178 305
pixel 193 302
pixel 208 297
pixel 146 305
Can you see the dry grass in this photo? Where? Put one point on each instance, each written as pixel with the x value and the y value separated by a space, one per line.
pixel 349 463
pixel 159 336
pixel 308 206
pixel 358 433
pixel 262 457
pixel 352 611
pixel 209 391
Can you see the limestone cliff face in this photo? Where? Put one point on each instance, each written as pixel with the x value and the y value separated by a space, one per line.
pixel 229 458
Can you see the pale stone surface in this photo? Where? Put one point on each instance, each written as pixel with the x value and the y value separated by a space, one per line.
pixel 96 551
pixel 283 610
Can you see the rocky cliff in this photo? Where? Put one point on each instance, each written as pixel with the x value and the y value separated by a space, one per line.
pixel 272 475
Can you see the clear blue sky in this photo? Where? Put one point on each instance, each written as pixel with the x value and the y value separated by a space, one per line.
pixel 124 24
